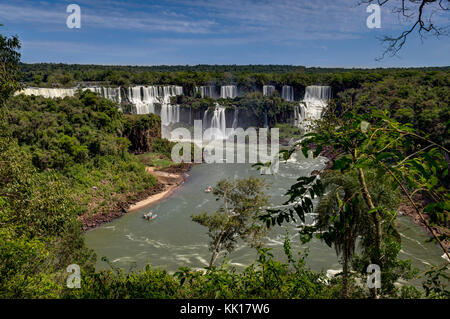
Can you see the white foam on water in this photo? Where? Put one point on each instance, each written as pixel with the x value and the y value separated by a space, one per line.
pixel 333 272
pixel 202 260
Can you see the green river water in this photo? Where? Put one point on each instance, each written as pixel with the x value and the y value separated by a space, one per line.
pixel 172 240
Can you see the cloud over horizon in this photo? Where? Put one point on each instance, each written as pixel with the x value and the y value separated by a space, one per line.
pixel 185 31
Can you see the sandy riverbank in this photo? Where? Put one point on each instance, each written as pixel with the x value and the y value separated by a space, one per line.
pixel 168 181
pixel 171 181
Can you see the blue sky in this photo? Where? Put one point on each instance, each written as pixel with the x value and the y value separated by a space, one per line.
pixel 327 33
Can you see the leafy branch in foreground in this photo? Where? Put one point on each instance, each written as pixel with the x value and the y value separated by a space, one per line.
pixel 370 147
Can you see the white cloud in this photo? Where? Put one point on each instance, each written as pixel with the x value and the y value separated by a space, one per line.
pixel 222 21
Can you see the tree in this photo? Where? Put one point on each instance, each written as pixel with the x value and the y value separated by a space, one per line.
pixel 243 201
pixel 9 67
pixel 422 14
pixel 342 214
pixel 387 147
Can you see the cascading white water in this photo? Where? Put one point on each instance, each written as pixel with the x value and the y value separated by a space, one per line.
pixel 135 97
pixel 205 120
pixel 109 93
pixel 287 93
pixel 145 97
pixel 235 119
pixel 228 91
pixel 317 92
pixel 166 92
pixel 207 91
pixel 48 92
pixel 299 115
pixel 216 128
pixel 112 94
pixel 218 121
pixel 315 101
pixel 268 90
pixel 149 98
pixel 170 114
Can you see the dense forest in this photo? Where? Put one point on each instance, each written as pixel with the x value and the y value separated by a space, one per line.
pixel 246 77
pixel 387 131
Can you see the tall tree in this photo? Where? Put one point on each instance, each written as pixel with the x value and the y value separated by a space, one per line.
pixel 9 66
pixel 383 145
pixel 342 214
pixel 237 217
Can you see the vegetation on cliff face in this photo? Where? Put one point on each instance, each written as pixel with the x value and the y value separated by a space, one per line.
pixel 58 159
pixel 86 141
pixel 65 157
pixel 247 77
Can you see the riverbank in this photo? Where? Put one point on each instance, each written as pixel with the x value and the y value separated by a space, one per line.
pixel 169 179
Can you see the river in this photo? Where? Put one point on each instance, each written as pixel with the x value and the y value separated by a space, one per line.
pixel 172 240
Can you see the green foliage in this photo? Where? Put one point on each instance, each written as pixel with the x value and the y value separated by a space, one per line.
pixel 419 98
pixel 243 200
pixel 437 283
pixel 39 232
pixel 63 132
pixel 251 106
pixel 147 283
pixel 392 269
pixel 288 132
pixel 368 147
pixel 265 279
pixel 10 75
pixel 65 157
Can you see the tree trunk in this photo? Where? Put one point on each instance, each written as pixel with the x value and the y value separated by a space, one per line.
pixel 377 221
pixel 213 258
pixel 216 250
pixel 345 273
pixel 346 255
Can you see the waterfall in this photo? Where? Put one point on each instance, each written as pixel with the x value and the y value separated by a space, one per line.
pixel 145 97
pixel 316 92
pixel 207 91
pixel 299 115
pixel 315 101
pixel 219 121
pixel 149 97
pixel 287 93
pixel 135 97
pixel 228 91
pixel 216 128
pixel 166 92
pixel 235 119
pixel 170 114
pixel 268 90
pixel 205 120
pixel 109 93
pixel 48 92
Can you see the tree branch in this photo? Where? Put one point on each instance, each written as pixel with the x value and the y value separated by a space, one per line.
pixel 412 10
